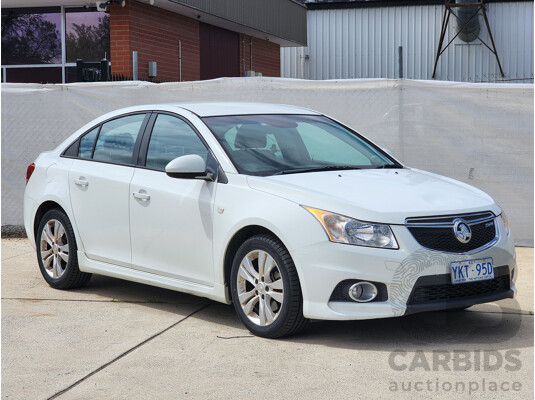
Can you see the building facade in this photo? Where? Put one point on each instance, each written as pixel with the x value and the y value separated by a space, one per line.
pixel 184 39
pixel 393 39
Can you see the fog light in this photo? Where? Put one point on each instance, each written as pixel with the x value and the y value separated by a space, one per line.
pixel 363 292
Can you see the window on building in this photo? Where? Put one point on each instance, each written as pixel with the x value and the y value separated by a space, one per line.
pixel 31 36
pixel 87 35
pixel 41 44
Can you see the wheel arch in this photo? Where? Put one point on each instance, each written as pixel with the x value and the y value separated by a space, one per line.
pixel 42 210
pixel 236 241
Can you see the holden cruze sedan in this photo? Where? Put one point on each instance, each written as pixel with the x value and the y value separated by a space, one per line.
pixel 281 210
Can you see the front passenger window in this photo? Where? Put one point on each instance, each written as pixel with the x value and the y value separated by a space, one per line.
pixel 116 140
pixel 171 138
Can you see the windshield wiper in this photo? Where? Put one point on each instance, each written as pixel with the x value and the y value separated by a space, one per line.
pixel 317 169
pixel 389 166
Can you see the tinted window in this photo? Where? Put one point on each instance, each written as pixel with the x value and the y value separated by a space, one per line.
pixel 88 35
pixel 87 142
pixel 116 140
pixel 171 138
pixel 31 36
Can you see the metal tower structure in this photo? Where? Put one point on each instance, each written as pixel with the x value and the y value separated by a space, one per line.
pixel 463 6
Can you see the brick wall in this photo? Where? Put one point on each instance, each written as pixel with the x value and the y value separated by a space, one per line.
pixel 266 56
pixel 154 33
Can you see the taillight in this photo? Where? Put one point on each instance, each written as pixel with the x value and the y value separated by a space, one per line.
pixel 29 172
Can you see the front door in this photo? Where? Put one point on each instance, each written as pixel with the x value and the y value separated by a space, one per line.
pixel 171 218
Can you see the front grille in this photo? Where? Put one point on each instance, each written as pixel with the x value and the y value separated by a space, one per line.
pixel 426 292
pixel 448 219
pixel 436 233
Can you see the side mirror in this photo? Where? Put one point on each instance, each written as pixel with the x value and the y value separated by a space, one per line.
pixel 191 166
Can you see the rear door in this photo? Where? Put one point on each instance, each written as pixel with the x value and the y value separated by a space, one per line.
pixel 171 218
pixel 99 183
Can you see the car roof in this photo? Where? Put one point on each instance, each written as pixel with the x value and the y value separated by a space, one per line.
pixel 211 109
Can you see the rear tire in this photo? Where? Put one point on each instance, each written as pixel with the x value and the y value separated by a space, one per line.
pixel 57 252
pixel 265 288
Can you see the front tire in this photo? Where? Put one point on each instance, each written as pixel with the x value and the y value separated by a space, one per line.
pixel 56 252
pixel 265 288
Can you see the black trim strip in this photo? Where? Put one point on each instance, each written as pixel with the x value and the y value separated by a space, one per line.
pixel 94 143
pixel 32 10
pixel 461 303
pixel 140 135
pixel 144 143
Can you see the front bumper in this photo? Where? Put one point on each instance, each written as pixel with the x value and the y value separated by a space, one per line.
pixel 432 293
pixel 322 266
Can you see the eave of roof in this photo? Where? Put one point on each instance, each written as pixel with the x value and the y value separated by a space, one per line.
pixel 341 4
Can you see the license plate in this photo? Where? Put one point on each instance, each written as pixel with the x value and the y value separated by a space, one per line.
pixel 472 270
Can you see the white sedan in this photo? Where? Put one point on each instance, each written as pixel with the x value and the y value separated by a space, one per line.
pixel 281 210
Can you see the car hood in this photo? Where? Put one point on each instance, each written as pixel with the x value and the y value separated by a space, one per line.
pixel 377 195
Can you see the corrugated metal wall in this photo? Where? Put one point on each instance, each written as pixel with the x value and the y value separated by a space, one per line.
pixel 363 43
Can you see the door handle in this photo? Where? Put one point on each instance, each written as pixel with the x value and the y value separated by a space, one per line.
pixel 81 182
pixel 141 196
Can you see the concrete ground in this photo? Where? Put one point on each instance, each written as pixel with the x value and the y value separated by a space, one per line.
pixel 120 340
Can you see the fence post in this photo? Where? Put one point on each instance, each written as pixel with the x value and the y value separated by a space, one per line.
pixel 135 70
pixel 400 61
pixel 104 70
pixel 79 70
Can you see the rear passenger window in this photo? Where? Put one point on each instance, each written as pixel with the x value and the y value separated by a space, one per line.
pixel 171 138
pixel 87 142
pixel 116 140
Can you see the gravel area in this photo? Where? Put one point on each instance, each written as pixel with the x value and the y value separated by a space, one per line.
pixel 13 231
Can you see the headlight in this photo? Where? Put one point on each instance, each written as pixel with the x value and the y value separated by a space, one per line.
pixel 505 223
pixel 341 229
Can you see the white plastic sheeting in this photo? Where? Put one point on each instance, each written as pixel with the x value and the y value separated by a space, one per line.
pixel 481 134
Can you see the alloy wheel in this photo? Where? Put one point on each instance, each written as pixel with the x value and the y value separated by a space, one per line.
pixel 54 248
pixel 260 287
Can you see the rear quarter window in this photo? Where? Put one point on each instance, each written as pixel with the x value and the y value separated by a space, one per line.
pixel 87 142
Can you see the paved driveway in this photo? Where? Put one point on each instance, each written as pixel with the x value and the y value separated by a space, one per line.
pixel 120 340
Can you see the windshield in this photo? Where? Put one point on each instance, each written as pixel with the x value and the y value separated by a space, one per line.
pixel 281 144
